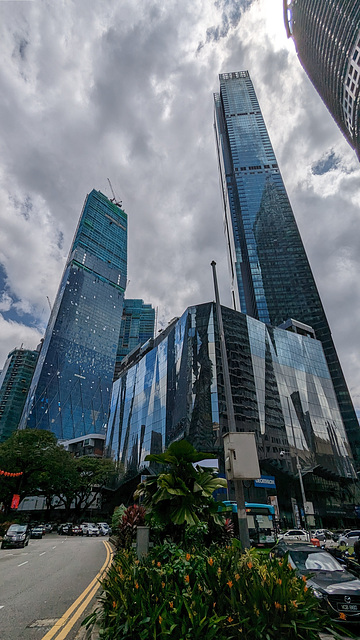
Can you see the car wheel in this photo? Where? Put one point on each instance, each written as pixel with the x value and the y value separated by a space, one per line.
pixel 26 543
pixel 3 545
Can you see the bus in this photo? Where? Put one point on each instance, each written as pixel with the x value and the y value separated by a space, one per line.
pixel 261 522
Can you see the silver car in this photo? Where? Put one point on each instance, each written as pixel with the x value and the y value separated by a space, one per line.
pixel 294 535
pixel 349 538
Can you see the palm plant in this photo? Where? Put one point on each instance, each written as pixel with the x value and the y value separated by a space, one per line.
pixel 181 495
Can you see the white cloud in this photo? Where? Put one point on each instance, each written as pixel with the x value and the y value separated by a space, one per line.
pixel 122 89
pixel 13 335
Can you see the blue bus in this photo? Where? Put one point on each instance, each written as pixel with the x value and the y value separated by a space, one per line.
pixel 261 522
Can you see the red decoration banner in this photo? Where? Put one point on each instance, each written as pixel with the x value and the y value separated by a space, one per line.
pixel 15 501
pixel 10 475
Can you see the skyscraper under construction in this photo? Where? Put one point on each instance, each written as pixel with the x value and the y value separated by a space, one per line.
pixel 70 390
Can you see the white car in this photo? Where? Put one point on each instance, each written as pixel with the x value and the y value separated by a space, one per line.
pixel 92 530
pixel 295 535
pixel 104 528
pixel 349 538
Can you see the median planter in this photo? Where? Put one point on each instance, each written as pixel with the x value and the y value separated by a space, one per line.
pixel 200 595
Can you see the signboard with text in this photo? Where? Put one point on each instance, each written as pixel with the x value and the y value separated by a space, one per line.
pixel 266 482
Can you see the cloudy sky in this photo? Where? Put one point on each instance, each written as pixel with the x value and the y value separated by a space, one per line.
pixel 123 89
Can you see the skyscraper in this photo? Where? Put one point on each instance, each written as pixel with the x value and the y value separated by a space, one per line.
pixel 70 391
pixel 137 327
pixel 15 381
pixel 271 276
pixel 327 39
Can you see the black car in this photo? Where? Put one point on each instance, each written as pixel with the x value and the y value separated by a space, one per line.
pixel 337 590
pixel 17 535
pixel 36 532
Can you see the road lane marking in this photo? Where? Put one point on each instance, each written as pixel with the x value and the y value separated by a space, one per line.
pixel 69 618
pixel 54 547
pixel 2 606
pixel 42 554
pixel 26 562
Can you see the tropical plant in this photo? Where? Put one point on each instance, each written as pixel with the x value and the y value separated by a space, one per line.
pixel 200 594
pixel 181 495
pixel 132 518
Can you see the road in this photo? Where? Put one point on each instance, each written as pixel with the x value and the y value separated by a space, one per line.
pixel 39 584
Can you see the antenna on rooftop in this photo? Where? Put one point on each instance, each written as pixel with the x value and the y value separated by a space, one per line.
pixel 113 199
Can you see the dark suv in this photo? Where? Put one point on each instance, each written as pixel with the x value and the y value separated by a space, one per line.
pixel 17 535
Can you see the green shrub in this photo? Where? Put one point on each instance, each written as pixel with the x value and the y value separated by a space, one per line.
pixel 202 595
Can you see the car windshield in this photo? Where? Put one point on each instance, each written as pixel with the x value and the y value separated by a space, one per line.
pixel 318 561
pixel 16 528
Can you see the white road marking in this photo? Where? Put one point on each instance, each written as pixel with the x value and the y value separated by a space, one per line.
pixel 54 547
pixel 42 554
pixel 2 606
pixel 26 562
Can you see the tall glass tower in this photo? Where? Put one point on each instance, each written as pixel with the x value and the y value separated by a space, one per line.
pixel 137 327
pixel 270 273
pixel 327 39
pixel 15 381
pixel 70 390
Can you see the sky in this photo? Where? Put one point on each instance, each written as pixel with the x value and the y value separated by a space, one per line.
pixel 124 90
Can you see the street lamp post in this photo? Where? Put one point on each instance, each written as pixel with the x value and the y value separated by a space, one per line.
pixel 298 466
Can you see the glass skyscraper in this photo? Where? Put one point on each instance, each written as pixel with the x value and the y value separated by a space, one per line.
pixel 282 391
pixel 15 381
pixel 70 391
pixel 327 39
pixel 270 273
pixel 137 327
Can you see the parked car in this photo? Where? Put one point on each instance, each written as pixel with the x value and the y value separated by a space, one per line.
pixel 65 529
pixel 76 530
pixel 349 538
pixel 93 530
pixel 48 527
pixel 337 590
pixel 295 535
pixel 36 532
pixel 104 528
pixel 84 526
pixel 17 535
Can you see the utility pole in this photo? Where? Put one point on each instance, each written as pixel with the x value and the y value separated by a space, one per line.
pixel 298 466
pixel 238 484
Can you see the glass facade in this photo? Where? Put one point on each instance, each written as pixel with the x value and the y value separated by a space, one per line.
pixel 270 273
pixel 327 39
pixel 71 387
pixel 15 381
pixel 281 388
pixel 137 327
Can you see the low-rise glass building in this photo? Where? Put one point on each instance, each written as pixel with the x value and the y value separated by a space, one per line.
pixel 172 388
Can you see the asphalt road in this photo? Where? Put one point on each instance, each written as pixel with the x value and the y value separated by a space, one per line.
pixel 39 583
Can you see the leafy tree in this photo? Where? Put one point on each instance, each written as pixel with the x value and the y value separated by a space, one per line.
pixel 181 496
pixel 30 452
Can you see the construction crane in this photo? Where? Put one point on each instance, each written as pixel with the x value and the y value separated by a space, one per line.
pixel 113 199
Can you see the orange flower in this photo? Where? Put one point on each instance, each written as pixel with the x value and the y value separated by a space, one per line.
pixel 294 603
pixel 188 556
pixel 237 577
pixel 160 619
pixel 214 604
pixel 305 589
pixel 211 562
pixel 187 578
pixel 136 585
pixel 163 584
pixel 229 583
pixel 304 578
pixel 249 564
pixel 114 605
pixel 171 604
pixel 342 616
pixel 277 605
pixel 279 581
pixel 158 564
pixel 230 619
